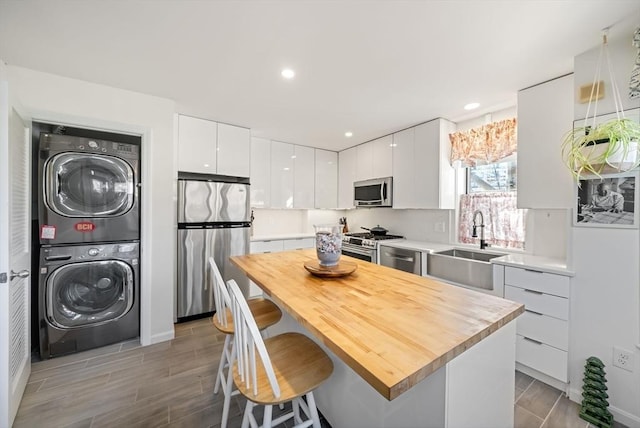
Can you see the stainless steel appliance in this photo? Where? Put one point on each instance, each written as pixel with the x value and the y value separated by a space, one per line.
pixel 402 259
pixel 89 296
pixel 364 246
pixel 88 190
pixel 213 220
pixel 373 193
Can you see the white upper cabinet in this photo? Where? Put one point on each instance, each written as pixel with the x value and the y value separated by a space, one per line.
pixel 347 165
pixel 545 115
pixel 234 147
pixel 364 162
pixel 382 159
pixel 326 188
pixel 260 172
pixel 404 169
pixel 422 174
pixel 281 175
pixel 197 143
pixel 208 147
pixel 374 159
pixel 304 177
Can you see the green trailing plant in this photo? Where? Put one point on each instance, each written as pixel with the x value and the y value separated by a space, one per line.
pixel 583 153
pixel 605 147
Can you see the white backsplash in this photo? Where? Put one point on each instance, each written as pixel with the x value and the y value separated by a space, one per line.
pixel 548 233
pixel 547 230
pixel 416 225
pixel 274 222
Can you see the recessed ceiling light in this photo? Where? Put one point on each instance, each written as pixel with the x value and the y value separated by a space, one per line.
pixel 348 134
pixel 288 73
pixel 471 106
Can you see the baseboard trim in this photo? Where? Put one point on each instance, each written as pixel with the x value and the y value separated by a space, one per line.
pixel 162 337
pixel 619 415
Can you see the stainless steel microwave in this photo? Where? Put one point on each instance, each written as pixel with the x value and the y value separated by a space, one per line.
pixel 373 193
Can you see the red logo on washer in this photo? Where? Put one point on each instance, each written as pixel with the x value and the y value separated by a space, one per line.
pixel 85 226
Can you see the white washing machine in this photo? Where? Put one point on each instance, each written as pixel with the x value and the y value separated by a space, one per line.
pixel 89 296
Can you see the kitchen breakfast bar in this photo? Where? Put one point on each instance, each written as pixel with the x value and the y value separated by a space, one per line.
pixel 408 351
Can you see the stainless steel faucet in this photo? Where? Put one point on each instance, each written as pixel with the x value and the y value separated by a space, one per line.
pixel 474 233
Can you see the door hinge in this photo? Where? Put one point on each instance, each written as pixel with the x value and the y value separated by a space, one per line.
pixel 3 277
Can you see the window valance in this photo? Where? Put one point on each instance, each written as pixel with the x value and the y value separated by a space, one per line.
pixel 485 144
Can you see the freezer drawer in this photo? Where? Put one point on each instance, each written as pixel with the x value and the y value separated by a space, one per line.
pixel 195 246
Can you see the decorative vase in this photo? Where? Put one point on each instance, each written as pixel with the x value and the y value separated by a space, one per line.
pixel 328 243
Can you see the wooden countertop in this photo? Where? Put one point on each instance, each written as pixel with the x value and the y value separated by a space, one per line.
pixel 391 327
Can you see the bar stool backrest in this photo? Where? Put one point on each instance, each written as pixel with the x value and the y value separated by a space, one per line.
pixel 248 341
pixel 220 293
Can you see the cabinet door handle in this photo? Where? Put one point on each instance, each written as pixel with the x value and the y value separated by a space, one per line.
pixel 533 312
pixel 533 291
pixel 266 252
pixel 533 271
pixel 537 342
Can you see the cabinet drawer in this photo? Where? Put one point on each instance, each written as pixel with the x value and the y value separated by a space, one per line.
pixel 549 283
pixel 557 307
pixel 543 328
pixel 541 357
pixel 298 243
pixel 266 246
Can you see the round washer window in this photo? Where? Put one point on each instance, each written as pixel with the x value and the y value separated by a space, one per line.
pixel 87 185
pixel 81 294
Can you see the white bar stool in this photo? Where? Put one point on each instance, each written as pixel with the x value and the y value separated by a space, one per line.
pixel 266 314
pixel 291 366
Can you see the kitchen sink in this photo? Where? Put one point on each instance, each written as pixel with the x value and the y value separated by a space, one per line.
pixel 466 267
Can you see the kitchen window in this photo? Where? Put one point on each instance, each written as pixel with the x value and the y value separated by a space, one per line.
pixel 489 154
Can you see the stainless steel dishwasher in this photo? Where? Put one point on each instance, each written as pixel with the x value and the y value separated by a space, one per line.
pixel 401 259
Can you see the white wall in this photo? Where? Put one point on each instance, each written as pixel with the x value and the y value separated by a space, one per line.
pixel 605 297
pixel 54 99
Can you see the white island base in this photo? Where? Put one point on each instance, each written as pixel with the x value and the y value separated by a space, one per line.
pixel 475 389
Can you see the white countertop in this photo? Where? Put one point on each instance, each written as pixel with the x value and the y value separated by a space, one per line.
pixel 283 236
pixel 544 264
pixel 525 261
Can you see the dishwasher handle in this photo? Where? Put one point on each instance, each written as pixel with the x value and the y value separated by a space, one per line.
pixel 402 258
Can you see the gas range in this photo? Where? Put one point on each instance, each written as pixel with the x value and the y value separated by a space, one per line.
pixel 367 240
pixel 364 246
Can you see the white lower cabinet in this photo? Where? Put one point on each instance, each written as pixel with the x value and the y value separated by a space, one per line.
pixel 542 341
pixel 274 246
pixel 298 244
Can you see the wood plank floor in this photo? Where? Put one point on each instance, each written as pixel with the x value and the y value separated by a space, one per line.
pixel 170 384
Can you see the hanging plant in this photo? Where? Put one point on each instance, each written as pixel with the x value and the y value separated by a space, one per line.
pixel 598 148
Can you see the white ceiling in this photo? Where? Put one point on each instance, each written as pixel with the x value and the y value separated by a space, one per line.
pixel 370 67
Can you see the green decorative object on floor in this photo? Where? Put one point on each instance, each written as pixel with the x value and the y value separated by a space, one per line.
pixel 594 403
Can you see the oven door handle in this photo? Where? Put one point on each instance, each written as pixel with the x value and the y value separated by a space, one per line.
pixel 358 250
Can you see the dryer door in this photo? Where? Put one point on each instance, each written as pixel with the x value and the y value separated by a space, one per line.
pixel 88 185
pixel 89 293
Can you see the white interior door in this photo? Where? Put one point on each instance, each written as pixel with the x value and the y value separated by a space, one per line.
pixel 15 364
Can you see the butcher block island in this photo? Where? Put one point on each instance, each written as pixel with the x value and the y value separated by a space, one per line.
pixel 437 355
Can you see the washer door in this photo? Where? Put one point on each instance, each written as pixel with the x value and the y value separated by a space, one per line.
pixel 88 185
pixel 89 293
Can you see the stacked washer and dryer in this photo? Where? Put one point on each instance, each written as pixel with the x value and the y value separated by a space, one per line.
pixel 89 235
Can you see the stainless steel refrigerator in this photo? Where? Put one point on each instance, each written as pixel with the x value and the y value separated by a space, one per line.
pixel 213 220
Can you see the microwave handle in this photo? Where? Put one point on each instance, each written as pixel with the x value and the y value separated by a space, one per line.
pixel 384 191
